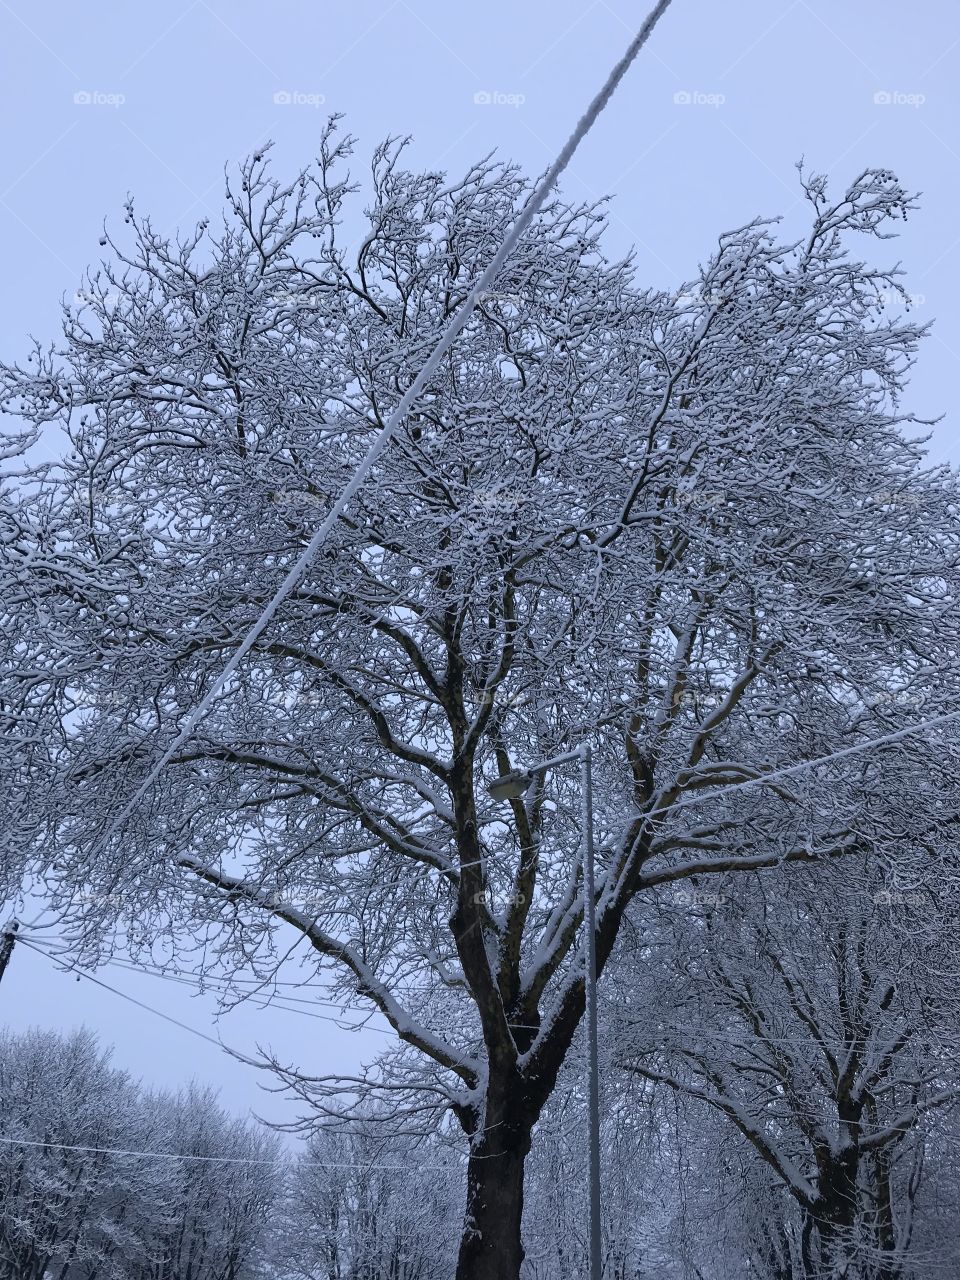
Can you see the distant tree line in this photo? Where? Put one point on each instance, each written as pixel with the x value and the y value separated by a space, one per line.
pixel 787 1115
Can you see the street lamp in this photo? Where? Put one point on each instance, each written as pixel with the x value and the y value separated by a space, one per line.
pixel 511 786
pixel 7 939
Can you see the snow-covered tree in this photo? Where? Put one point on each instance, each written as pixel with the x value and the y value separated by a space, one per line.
pixel 55 1203
pixel 360 1208
pixel 87 1191
pixel 219 1205
pixel 639 1194
pixel 28 708
pixel 804 1011
pixel 935 1245
pixel 684 528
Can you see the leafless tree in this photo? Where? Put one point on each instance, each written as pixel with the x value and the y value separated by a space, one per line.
pixel 803 1010
pixel 86 1192
pixel 685 528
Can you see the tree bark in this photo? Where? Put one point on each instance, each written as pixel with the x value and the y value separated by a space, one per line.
pixel 491 1247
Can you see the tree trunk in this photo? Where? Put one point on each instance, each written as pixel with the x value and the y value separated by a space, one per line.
pixel 885 1223
pixel 490 1248
pixel 836 1209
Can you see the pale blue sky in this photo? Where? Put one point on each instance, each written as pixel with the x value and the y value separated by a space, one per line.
pixel 177 90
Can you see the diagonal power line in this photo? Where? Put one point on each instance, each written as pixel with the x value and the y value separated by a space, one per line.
pixel 420 382
pixel 202 1035
pixel 179 1155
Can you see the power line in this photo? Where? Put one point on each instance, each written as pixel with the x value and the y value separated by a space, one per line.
pixel 760 781
pixel 734 1041
pixel 176 1155
pixel 225 1048
pixel 231 979
pixel 419 384
pixel 83 973
pixel 252 997
pixel 747 1040
pixel 270 1003
pixel 791 770
pixel 280 1001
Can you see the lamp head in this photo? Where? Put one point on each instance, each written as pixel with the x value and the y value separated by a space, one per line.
pixel 510 786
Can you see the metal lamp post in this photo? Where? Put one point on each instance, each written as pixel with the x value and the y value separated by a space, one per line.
pixel 510 786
